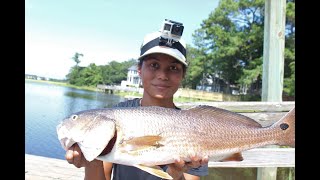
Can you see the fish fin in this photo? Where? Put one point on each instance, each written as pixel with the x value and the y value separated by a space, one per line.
pixel 154 170
pixel 233 157
pixel 150 140
pixel 224 115
pixel 141 143
pixel 286 125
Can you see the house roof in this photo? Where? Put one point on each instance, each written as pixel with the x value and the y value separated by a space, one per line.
pixel 133 67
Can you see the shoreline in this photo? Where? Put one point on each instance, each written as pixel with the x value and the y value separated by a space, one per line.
pixel 121 94
pixel 63 84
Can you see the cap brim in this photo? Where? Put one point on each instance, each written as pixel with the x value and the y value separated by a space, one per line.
pixel 168 51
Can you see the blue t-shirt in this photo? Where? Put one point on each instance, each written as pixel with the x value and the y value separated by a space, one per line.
pixel 123 172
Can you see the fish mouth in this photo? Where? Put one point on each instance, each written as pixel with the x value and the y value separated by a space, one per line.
pixel 110 145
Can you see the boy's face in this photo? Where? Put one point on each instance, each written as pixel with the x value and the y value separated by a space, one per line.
pixel 161 75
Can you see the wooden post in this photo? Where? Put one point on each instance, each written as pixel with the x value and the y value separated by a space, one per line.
pixel 273 50
pixel 273 63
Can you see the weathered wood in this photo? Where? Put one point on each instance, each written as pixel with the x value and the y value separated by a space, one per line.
pixel 262 157
pixel 38 167
pixel 265 119
pixel 43 168
pixel 248 106
pixel 273 50
pixel 273 62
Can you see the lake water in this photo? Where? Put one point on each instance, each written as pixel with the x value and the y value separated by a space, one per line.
pixel 46 105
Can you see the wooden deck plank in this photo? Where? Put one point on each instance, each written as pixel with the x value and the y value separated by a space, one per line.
pixel 262 157
pixel 38 167
pixel 245 106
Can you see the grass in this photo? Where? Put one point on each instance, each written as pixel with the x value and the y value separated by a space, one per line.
pixel 89 88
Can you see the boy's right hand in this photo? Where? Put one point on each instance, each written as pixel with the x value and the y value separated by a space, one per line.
pixel 74 156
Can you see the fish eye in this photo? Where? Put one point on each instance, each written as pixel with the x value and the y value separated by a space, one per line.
pixel 74 117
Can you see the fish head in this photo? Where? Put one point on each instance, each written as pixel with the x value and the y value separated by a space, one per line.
pixel 90 129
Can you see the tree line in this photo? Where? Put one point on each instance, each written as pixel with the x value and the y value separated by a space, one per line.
pixel 112 73
pixel 227 51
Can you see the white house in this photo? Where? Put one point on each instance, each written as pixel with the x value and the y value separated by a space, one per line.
pixel 133 78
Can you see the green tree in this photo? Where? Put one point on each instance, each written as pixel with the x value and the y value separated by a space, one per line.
pixel 74 73
pixel 115 72
pixel 74 76
pixel 112 73
pixel 76 58
pixel 230 42
pixel 195 70
pixel 91 75
pixel 289 53
pixel 235 33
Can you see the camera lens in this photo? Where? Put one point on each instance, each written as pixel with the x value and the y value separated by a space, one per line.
pixel 177 30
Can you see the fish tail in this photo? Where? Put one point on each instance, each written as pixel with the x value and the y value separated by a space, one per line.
pixel 286 125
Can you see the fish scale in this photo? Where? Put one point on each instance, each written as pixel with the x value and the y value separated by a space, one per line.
pixel 149 136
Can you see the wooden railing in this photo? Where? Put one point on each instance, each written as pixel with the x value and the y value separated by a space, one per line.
pixel 266 159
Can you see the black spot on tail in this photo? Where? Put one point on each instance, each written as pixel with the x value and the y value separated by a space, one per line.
pixel 284 126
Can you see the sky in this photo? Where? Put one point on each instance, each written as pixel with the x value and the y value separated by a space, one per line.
pixel 102 30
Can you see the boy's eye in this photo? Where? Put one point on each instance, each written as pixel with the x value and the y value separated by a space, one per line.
pixel 154 65
pixel 173 68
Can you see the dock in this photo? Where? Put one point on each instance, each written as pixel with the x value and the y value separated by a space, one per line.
pixel 44 168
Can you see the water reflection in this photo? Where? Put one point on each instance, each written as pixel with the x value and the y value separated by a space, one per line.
pixel 79 95
pixel 46 105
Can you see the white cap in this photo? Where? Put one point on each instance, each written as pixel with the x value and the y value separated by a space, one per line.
pixel 177 51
